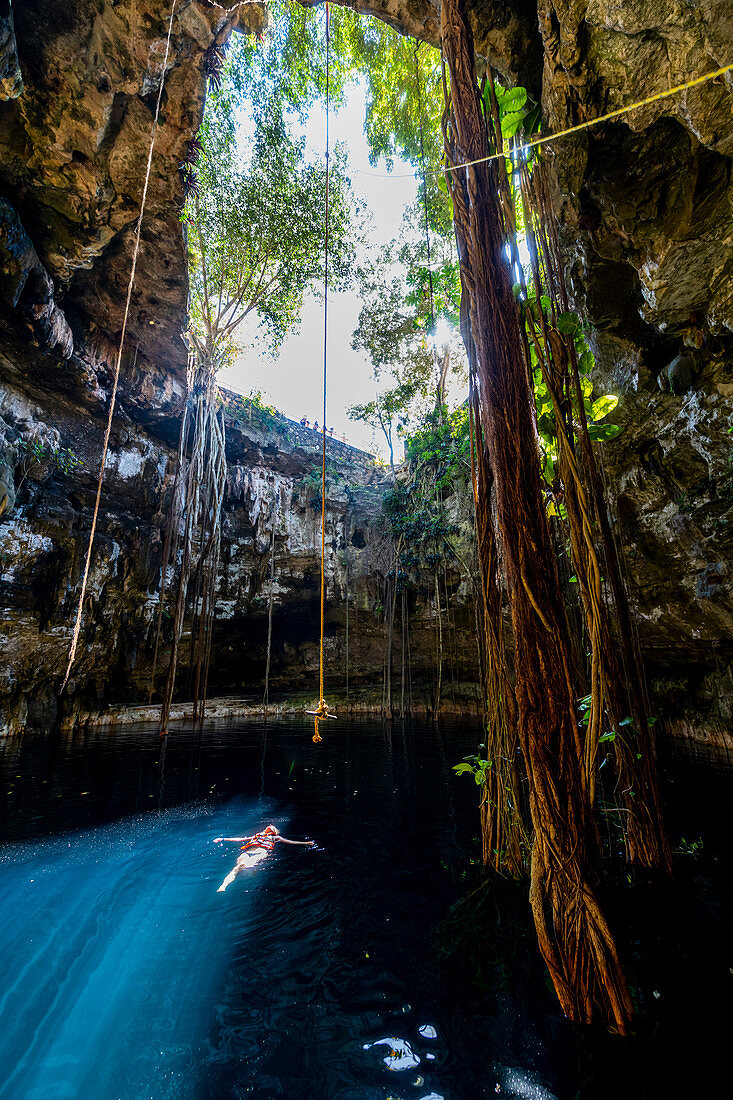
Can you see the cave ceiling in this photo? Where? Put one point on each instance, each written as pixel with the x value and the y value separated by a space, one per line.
pixel 646 204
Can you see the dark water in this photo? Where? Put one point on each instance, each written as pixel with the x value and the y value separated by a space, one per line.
pixel 333 973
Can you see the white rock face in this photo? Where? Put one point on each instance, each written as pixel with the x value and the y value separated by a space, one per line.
pixel 20 543
pixel 126 464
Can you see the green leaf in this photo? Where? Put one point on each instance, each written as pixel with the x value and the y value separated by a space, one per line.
pixel 548 472
pixel 510 123
pixel 603 406
pixel 508 99
pixel 532 121
pixel 602 433
pixel 461 769
pixel 586 362
pixel 568 323
pixel 608 736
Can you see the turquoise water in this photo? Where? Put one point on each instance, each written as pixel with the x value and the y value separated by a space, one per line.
pixel 125 974
pixel 121 949
pixel 321 973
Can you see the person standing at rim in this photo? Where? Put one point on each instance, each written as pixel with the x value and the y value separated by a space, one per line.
pixel 255 848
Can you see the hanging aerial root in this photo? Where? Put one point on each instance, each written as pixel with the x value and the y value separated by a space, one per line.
pixel 575 939
pixel 504 832
pixel 618 692
pixel 588 978
pixel 196 515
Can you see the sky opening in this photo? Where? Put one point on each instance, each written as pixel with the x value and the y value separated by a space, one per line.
pixel 291 380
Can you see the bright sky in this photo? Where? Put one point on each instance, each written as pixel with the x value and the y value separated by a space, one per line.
pixel 292 381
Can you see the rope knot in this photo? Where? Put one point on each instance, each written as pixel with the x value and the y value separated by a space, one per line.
pixel 318 716
pixel 321 713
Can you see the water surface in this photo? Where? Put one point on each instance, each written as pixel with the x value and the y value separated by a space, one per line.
pixel 320 974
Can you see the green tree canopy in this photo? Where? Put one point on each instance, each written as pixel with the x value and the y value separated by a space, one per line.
pixel 388 411
pixel 256 225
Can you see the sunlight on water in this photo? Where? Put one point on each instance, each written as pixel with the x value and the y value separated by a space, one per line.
pixel 112 974
pixel 125 975
pixel 337 972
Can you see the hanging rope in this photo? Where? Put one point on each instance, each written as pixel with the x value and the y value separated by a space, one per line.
pixel 113 397
pixel 322 711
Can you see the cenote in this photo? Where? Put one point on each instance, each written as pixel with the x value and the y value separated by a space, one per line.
pixel 366 499
pixel 358 969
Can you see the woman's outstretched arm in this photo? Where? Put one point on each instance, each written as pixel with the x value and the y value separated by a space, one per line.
pixel 284 839
pixel 218 839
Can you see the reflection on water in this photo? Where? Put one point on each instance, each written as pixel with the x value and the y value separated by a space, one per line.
pixel 317 975
pixel 399 1056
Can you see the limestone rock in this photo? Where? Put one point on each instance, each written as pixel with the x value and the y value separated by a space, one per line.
pixel 73 151
pixel 681 373
pixel 11 80
pixel 25 284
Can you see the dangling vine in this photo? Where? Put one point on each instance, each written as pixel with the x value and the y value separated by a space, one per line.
pixel 573 933
pixel 615 710
pixel 193 536
pixel 266 693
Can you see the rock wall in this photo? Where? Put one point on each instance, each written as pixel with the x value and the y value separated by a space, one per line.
pixel 273 482
pixel 646 210
pixel 646 214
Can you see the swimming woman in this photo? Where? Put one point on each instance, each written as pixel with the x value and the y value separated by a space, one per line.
pixel 255 848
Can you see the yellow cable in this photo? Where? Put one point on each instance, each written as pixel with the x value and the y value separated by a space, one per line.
pixel 596 121
pixel 564 133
